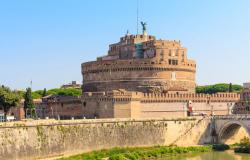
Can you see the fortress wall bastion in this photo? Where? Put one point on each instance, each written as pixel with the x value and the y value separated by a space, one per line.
pixel 176 105
pixel 123 104
pixel 141 76
pixel 47 138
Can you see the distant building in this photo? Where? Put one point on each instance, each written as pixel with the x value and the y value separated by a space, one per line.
pixel 15 113
pixel 60 107
pixel 243 106
pixel 73 84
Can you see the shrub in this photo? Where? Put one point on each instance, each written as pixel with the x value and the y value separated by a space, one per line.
pixel 243 146
pixel 118 157
pixel 221 147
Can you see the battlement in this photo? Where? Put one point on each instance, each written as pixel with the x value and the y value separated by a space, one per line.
pixel 165 97
pixel 162 44
pixel 115 95
pixel 133 39
pixel 184 97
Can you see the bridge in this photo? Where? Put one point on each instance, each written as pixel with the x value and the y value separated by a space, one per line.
pixel 230 128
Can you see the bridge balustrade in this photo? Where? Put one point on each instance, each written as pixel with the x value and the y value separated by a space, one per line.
pixel 233 117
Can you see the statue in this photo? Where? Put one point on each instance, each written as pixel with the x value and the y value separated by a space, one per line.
pixel 127 33
pixel 144 29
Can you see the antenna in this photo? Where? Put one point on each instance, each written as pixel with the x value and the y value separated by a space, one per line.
pixel 31 84
pixel 137 16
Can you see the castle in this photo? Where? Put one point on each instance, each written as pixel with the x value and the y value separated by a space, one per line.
pixel 140 77
pixel 141 63
pixel 143 77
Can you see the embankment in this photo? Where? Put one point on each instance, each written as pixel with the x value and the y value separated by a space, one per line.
pixel 40 139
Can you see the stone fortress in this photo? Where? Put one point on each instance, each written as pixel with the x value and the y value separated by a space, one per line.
pixel 140 77
pixel 141 63
pixel 143 77
pixel 140 80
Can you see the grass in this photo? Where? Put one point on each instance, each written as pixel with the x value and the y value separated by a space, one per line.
pixel 137 153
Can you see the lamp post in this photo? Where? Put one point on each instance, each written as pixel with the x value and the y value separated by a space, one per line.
pixel 82 108
pixel 52 111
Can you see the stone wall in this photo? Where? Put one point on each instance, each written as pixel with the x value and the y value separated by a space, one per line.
pixel 243 106
pixel 124 104
pixel 179 109
pixel 61 107
pixel 138 75
pixel 40 139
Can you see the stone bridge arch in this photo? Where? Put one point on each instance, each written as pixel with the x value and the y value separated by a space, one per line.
pixel 232 131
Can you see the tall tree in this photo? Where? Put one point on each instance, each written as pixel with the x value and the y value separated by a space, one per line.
pixel 8 99
pixel 44 92
pixel 230 88
pixel 29 106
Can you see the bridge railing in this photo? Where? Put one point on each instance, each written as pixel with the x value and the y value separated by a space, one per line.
pixel 233 117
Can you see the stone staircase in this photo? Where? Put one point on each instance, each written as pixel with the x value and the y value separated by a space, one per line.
pixel 188 131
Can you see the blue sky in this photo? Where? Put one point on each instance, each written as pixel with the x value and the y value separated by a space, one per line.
pixel 47 40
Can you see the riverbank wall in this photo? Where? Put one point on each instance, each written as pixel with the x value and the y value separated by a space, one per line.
pixel 48 138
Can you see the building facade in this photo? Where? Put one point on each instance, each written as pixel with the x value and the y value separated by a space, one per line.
pixel 243 106
pixel 127 104
pixel 140 77
pixel 73 84
pixel 145 77
pixel 123 104
pixel 141 63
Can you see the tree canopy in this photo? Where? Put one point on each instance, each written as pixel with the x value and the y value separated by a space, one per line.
pixel 221 87
pixel 28 103
pixel 28 100
pixel 57 91
pixel 8 98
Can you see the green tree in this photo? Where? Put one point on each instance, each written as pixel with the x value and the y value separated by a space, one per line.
pixel 44 92
pixel 8 99
pixel 221 87
pixel 29 106
pixel 230 89
pixel 65 92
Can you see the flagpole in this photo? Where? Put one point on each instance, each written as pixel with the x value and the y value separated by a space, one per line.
pixel 137 16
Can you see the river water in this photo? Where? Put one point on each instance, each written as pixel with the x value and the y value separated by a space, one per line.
pixel 228 155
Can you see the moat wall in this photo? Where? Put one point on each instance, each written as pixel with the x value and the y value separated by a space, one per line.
pixel 40 139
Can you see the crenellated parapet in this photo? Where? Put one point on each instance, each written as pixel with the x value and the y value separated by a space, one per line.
pixel 185 97
pixel 162 97
pixel 126 104
pixel 112 96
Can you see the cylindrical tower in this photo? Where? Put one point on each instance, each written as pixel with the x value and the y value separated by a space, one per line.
pixel 141 63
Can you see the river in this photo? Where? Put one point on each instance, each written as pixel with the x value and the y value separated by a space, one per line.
pixel 228 155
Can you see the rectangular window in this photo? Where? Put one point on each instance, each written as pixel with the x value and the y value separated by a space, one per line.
pixel 173 76
pixel 176 53
pixel 162 55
